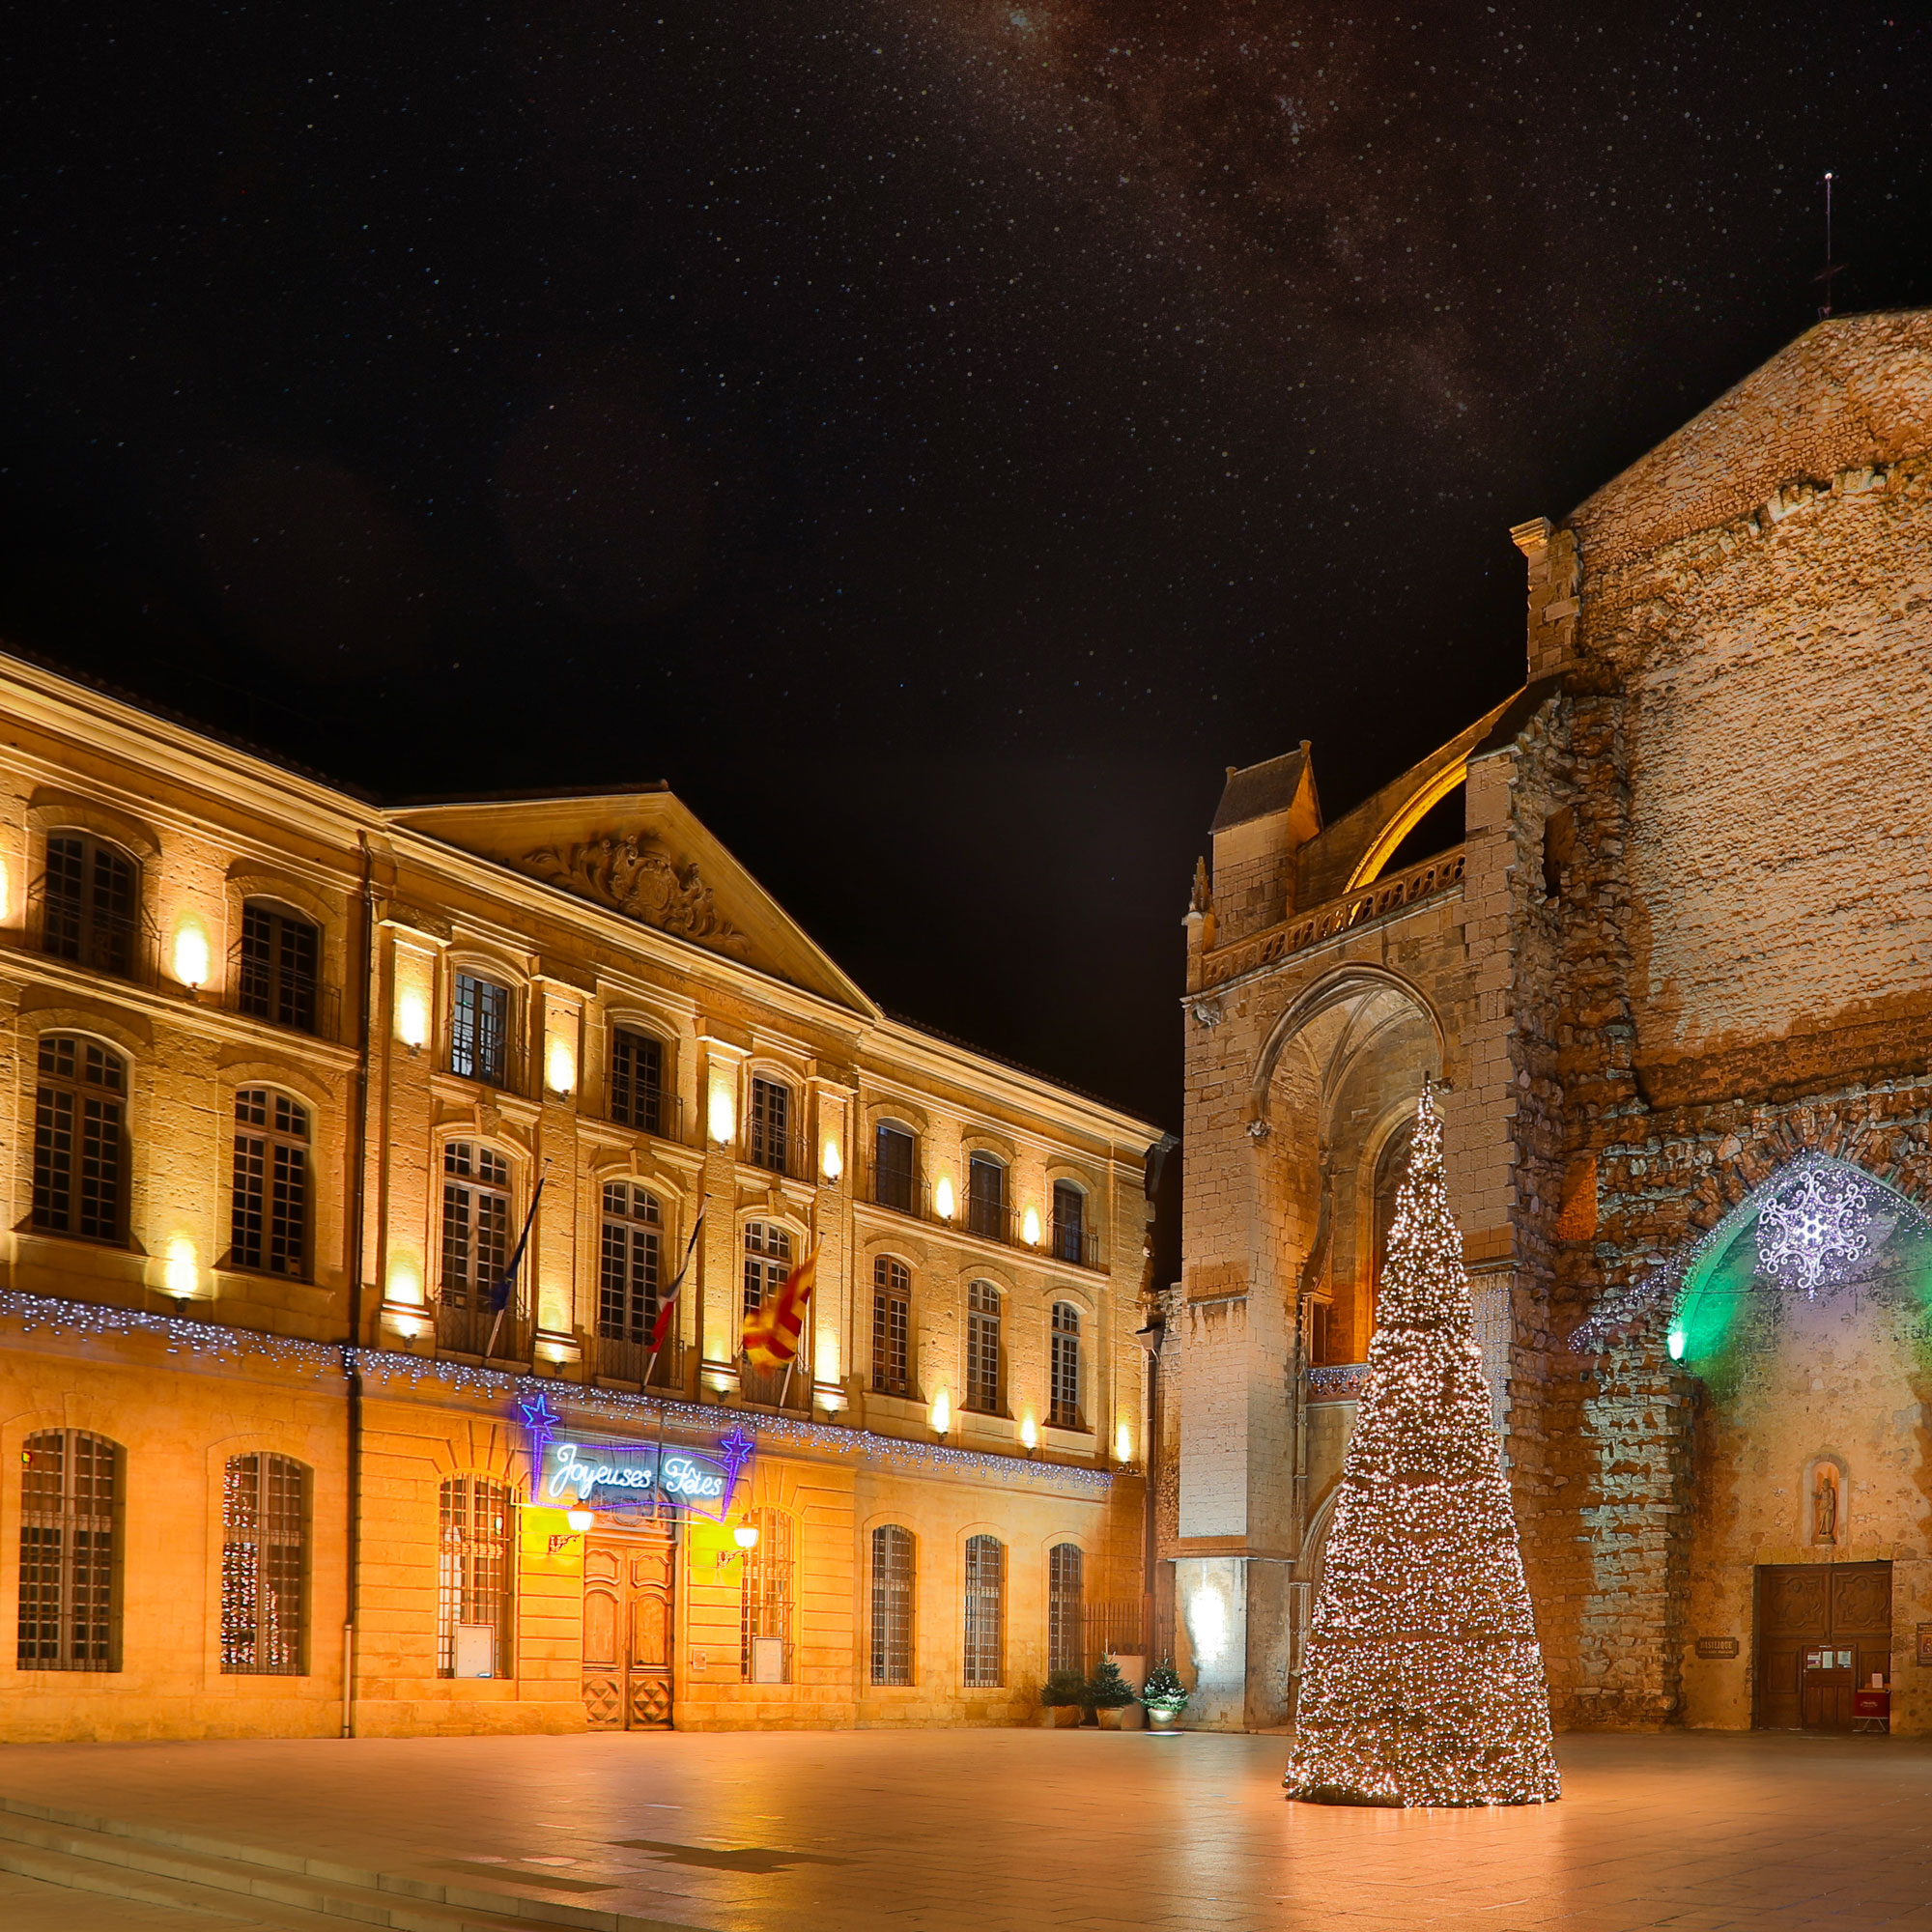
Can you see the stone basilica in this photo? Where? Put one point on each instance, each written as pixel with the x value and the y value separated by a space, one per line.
pixel 1675 967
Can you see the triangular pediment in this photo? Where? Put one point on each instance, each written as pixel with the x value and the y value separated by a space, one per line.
pixel 646 857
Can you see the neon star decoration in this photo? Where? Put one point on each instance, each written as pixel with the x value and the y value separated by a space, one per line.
pixel 734 1450
pixel 541 1420
pixel 1815 1232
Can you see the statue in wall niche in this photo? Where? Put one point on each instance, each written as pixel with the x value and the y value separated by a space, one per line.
pixel 1825 1507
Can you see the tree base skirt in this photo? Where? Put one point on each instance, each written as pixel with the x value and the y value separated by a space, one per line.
pixel 1342 1794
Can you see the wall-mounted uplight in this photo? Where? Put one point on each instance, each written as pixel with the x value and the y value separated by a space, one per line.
pixel 942 1197
pixel 180 1273
pixel 1030 1227
pixel 561 1066
pixel 1123 1443
pixel 1674 1342
pixel 831 1163
pixel 1029 1433
pixel 941 1410
pixel 412 1018
pixel 191 955
pixel 405 1282
pixel 721 1114
pixel 6 896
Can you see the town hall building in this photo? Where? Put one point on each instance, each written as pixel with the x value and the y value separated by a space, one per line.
pixel 1662 920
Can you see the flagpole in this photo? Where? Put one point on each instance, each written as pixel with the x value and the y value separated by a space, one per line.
pixel 670 1300
pixel 505 1285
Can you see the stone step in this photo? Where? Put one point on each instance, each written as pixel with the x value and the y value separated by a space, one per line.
pixel 158 1864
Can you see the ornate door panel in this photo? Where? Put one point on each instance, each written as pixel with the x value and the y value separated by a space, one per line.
pixel 1823 1629
pixel 628 1611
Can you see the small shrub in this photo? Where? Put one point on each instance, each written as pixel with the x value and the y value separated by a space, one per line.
pixel 1062 1689
pixel 1107 1689
pixel 1163 1689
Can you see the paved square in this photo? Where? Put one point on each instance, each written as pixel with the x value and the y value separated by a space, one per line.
pixel 948 1829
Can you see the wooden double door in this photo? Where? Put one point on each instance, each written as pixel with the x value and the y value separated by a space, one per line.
pixel 629 1583
pixel 1823 1630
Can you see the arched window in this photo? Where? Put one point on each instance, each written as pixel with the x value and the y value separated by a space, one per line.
pixel 766 1615
pixel 280 952
pixel 91 903
pixel 636 1081
pixel 1069 1224
pixel 79 1123
pixel 473 1578
pixel 70 1553
pixel 628 1280
pixel 892 1604
pixel 891 1327
pixel 1065 1611
pixel 1063 1393
pixel 982 1347
pixel 986 1612
pixel 893 1166
pixel 475 1244
pixel 263 1566
pixel 479 1030
pixel 987 1197
pixel 268 1202
pixel 769 1129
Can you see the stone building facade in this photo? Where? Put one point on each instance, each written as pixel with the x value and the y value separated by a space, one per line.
pixel 1677 972
pixel 353 1154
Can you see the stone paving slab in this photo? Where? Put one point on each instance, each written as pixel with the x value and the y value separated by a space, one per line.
pixel 964 1830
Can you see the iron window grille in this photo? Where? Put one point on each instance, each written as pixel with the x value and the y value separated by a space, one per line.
pixel 768 1138
pixel 264 1567
pixel 636 1081
pixel 476 1246
pixel 479 1031
pixel 1064 1409
pixel 1069 1223
pixel 892 1604
pixel 269 1205
pixel 69 1616
pixel 767 1609
pixel 987 1197
pixel 986 1612
pixel 79 1122
pixel 893 1168
pixel 891 1327
pixel 628 1280
pixel 982 1347
pixel 1065 1622
pixel 473 1571
pixel 90 905
pixel 276 975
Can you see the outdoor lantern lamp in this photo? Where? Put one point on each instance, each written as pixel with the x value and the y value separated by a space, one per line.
pixel 581 1519
pixel 746 1536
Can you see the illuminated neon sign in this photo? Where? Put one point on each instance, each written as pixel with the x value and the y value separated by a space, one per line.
pixel 604 1473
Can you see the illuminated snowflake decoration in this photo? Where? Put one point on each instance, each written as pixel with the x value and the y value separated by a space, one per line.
pixel 1815 1232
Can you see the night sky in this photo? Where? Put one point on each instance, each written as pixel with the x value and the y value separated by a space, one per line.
pixel 935 438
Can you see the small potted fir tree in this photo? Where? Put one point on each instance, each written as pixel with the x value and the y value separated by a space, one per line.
pixel 1164 1696
pixel 1108 1693
pixel 1063 1699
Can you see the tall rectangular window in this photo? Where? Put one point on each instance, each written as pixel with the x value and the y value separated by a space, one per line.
pixel 983 1347
pixel 893 1168
pixel 70 1553
pixel 770 1125
pixel 473 1578
pixel 476 1223
pixel 91 904
pixel 1066 1609
pixel 79 1185
pixel 263 1566
pixel 277 977
pixel 636 1081
pixel 892 1604
pixel 627 1289
pixel 987 1197
pixel 479 1030
pixel 1069 1223
pixel 268 1201
pixel 891 1327
pixel 985 1611
pixel 767 1609
pixel 1063 1390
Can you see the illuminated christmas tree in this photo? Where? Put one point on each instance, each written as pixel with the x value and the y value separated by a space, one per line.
pixel 1423 1682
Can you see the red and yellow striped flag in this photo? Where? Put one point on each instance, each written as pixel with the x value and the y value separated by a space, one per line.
pixel 772 1332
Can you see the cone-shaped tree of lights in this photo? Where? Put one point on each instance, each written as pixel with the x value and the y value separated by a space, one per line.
pixel 1424 1683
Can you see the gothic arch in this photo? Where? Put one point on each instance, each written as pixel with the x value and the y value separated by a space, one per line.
pixel 1353 979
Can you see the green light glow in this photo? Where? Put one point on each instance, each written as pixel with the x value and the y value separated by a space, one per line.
pixel 1674 1342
